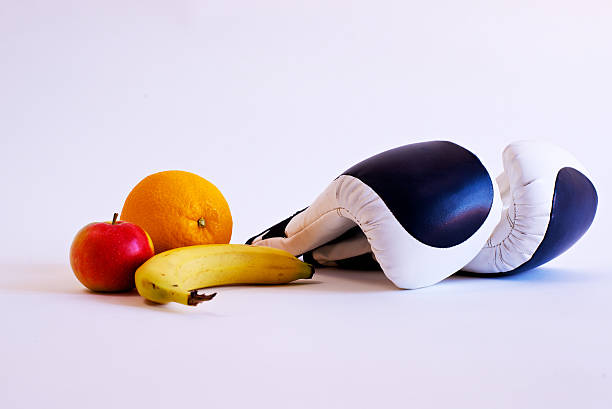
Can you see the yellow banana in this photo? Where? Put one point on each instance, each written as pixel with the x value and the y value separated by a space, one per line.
pixel 177 275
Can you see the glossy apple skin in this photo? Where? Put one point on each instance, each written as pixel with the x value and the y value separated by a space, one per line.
pixel 105 256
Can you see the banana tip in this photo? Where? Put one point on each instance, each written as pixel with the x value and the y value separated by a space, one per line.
pixel 195 298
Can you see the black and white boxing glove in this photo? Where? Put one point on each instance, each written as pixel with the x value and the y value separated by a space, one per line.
pixel 549 202
pixel 421 211
pixel 418 212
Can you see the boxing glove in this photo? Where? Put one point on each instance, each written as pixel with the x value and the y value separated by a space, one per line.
pixel 421 212
pixel 548 201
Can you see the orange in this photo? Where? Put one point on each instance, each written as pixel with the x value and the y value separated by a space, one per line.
pixel 179 209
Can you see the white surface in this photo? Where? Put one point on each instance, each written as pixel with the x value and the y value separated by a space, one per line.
pixel 270 101
pixel 342 340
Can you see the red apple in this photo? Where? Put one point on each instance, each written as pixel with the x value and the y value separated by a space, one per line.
pixel 105 255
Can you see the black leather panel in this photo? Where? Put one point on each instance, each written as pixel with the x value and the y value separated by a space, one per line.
pixel 438 191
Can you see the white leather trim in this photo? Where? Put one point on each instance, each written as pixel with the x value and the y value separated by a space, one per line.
pixel 313 227
pixel 527 188
pixel 351 247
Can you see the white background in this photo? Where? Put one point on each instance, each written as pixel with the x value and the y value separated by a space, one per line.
pixel 270 100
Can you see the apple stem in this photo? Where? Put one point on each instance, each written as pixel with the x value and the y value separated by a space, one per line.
pixel 115 217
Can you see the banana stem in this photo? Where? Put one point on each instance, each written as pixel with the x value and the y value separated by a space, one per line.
pixel 195 298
